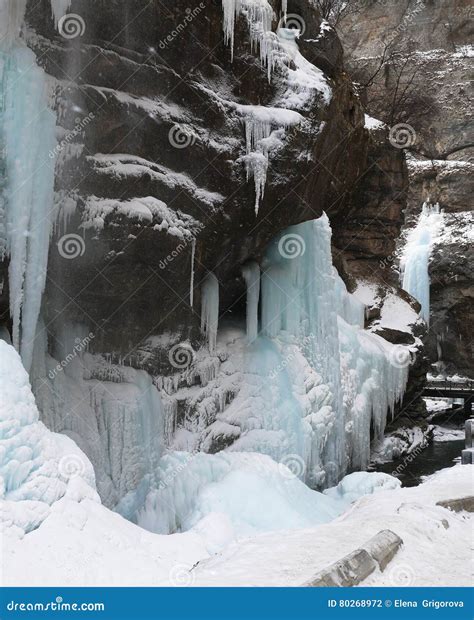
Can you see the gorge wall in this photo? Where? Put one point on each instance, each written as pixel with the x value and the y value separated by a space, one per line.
pixel 414 59
pixel 187 140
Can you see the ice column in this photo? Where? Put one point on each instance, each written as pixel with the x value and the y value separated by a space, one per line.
pixel 191 282
pixel 416 256
pixel 27 134
pixel 251 274
pixel 210 309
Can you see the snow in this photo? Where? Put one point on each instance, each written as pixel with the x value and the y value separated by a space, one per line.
pixel 438 404
pixel 372 123
pixel 360 483
pixel 27 131
pixel 37 467
pixel 416 255
pixel 128 167
pixel 147 209
pixel 52 516
pixel 305 81
pixel 195 486
pixel 124 554
pixel 442 434
pixel 210 309
pixel 403 441
pixel 433 538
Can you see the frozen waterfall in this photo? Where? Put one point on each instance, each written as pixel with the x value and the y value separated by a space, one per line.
pixel 416 256
pixel 27 135
pixel 303 298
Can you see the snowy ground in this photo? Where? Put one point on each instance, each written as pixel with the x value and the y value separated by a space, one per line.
pixel 86 544
pixel 436 550
pixel 51 515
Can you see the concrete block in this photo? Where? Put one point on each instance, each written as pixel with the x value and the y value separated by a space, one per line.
pixel 467 456
pixel 358 565
pixel 469 433
pixel 383 547
pixel 459 504
pixel 347 572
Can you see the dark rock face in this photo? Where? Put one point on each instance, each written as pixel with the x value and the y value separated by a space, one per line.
pixel 152 179
pixel 367 232
pixel 143 86
pixel 436 72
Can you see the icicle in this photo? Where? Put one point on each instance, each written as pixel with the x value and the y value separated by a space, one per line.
pixel 191 283
pixel 59 8
pixel 255 131
pixel 416 256
pixel 210 309
pixel 257 167
pixel 251 274
pixel 27 131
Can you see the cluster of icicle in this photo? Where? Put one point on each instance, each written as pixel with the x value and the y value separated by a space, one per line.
pixel 260 16
pixel 416 256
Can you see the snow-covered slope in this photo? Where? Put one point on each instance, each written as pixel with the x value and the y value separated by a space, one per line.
pixel 48 504
pixel 37 467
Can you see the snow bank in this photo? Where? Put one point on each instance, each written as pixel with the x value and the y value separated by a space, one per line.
pixel 360 483
pixel 232 487
pixel 37 467
pixel 434 538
